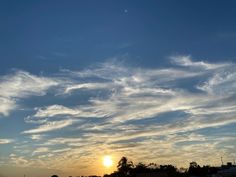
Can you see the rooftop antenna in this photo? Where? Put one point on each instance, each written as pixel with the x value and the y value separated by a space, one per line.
pixel 221 160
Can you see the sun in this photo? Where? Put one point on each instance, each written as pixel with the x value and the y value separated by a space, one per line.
pixel 107 161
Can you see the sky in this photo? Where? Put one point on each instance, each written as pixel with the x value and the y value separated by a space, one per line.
pixel 154 81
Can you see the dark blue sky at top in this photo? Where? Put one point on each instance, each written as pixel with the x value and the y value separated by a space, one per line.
pixel 48 35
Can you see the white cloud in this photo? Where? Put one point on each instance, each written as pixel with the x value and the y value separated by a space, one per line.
pixel 139 93
pixel 19 85
pixel 40 150
pixel 43 114
pixel 7 105
pixel 37 137
pixel 222 82
pixel 6 141
pixel 50 126
pixel 187 62
pixel 87 86
pixel 127 110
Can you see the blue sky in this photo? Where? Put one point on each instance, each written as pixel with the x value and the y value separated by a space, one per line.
pixel 154 81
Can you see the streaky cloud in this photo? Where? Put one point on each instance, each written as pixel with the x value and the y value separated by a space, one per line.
pixel 49 126
pixel 21 84
pixel 187 61
pixel 130 110
pixel 6 141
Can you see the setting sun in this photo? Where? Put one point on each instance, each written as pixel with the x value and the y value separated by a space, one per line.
pixel 107 161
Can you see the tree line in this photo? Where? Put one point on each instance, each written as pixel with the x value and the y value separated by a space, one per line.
pixel 126 168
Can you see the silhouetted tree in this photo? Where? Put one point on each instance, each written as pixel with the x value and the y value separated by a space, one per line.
pixel 193 165
pixel 152 166
pixel 124 167
pixel 195 169
pixel 170 170
pixel 140 168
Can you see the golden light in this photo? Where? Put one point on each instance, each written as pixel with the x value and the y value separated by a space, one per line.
pixel 107 161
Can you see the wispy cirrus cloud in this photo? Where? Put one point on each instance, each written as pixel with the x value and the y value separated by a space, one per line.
pixel 40 150
pixel 6 141
pixel 124 110
pixel 50 126
pixel 138 93
pixel 88 86
pixel 221 83
pixel 21 84
pixel 186 61
pixel 57 110
pixel 37 137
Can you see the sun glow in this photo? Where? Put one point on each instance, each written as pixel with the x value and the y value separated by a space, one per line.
pixel 107 161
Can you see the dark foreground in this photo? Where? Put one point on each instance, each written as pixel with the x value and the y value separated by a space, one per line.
pixel 126 168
